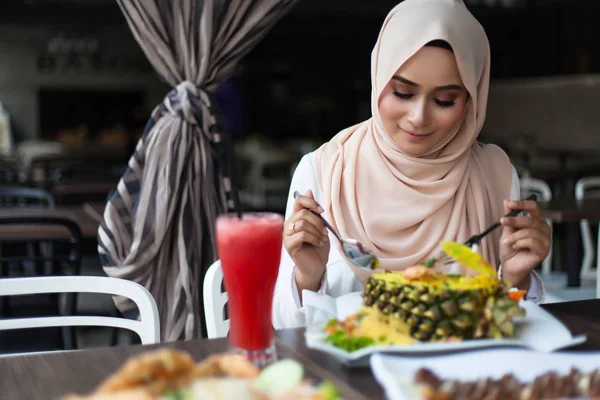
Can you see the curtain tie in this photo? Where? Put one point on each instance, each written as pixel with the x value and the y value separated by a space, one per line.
pixel 184 101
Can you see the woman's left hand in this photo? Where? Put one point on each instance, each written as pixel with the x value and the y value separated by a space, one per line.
pixel 525 242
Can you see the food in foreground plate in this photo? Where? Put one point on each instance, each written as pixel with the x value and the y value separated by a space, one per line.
pixel 366 328
pixel 422 304
pixel 576 384
pixel 170 374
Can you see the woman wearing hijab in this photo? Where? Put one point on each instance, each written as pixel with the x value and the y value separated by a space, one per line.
pixel 413 175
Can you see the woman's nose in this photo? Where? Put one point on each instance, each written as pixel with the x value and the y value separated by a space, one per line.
pixel 418 115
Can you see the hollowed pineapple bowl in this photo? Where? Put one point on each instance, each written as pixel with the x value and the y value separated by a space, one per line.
pixel 421 304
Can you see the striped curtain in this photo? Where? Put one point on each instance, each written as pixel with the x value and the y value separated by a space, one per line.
pixel 158 225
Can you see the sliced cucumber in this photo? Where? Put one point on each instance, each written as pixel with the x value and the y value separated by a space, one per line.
pixel 328 391
pixel 179 394
pixel 221 388
pixel 279 377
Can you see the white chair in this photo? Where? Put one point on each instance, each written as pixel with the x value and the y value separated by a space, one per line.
pixel 539 187
pixel 585 188
pixel 215 301
pixel 148 327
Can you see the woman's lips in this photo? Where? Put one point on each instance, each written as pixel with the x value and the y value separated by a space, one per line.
pixel 415 136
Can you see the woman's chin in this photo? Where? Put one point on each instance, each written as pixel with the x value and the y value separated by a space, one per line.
pixel 413 149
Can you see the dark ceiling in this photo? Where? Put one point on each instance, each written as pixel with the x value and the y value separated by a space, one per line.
pixel 107 13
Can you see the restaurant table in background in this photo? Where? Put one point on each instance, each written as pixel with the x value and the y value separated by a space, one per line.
pixel 95 210
pixel 570 212
pixel 565 168
pixel 80 188
pixel 50 376
pixel 85 216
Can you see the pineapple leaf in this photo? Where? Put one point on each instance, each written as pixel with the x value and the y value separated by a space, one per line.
pixel 467 257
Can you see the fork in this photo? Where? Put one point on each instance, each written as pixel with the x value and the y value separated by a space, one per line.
pixel 444 259
pixel 356 252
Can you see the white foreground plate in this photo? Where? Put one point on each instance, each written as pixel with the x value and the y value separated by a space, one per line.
pixel 395 373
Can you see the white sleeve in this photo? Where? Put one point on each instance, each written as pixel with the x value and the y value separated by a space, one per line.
pixel 287 310
pixel 536 292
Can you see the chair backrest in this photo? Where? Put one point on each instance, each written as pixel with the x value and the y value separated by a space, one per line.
pixel 587 187
pixel 148 328
pixel 540 188
pixel 16 196
pixel 535 186
pixel 39 246
pixel 215 301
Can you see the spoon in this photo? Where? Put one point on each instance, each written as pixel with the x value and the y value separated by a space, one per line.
pixel 356 253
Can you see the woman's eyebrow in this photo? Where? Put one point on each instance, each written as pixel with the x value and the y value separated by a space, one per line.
pixel 411 83
pixel 405 81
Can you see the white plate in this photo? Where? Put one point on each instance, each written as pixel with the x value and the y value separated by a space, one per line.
pixel 395 373
pixel 538 330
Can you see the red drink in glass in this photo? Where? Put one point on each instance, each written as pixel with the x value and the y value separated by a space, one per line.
pixel 250 252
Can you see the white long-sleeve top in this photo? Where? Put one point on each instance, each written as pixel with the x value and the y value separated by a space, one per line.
pixel 338 279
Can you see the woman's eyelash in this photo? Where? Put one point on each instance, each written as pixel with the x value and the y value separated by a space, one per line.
pixel 404 96
pixel 444 104
pixel 408 96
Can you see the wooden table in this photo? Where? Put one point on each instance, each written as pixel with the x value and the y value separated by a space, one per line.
pixel 570 212
pixel 49 376
pixel 52 375
pixel 80 188
pixel 82 215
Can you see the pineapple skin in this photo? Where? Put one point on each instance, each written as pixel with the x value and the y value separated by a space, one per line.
pixel 438 309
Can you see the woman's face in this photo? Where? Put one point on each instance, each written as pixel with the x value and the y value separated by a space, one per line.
pixel 424 101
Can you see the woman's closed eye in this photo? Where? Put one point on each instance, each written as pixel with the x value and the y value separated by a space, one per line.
pixel 404 96
pixel 408 96
pixel 444 103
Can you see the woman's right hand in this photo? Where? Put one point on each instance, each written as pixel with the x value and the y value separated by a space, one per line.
pixel 307 242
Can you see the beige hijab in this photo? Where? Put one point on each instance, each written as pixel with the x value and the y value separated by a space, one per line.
pixel 400 206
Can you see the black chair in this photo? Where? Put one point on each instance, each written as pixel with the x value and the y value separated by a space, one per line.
pixel 22 196
pixel 87 173
pixel 59 255
pixel 79 183
pixel 25 197
pixel 9 173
